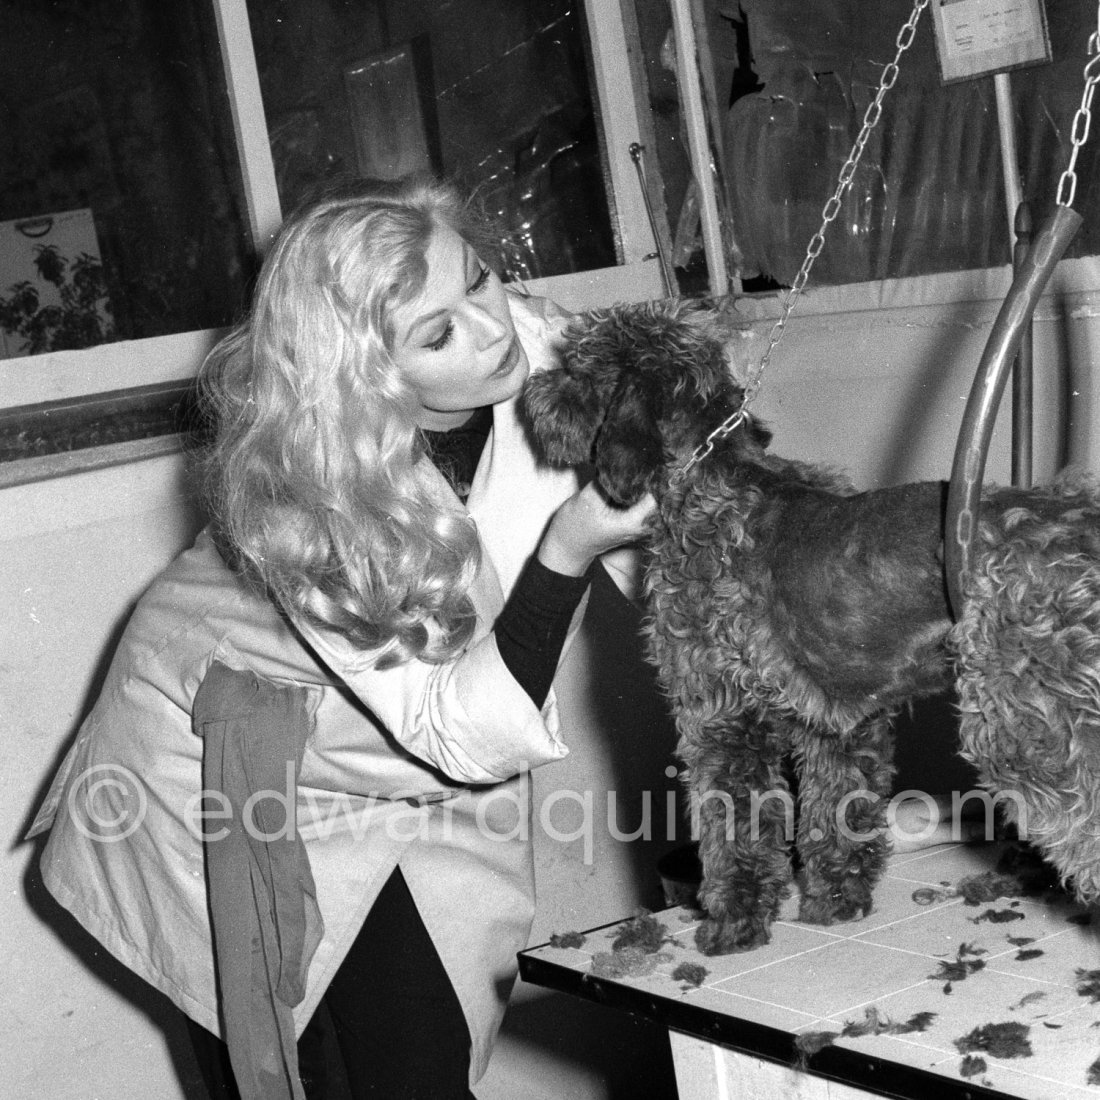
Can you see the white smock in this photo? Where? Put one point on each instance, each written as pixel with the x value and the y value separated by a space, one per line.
pixel 420 765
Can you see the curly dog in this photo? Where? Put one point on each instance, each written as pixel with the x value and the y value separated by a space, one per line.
pixel 790 617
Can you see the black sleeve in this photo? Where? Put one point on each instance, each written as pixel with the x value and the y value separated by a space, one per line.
pixel 531 629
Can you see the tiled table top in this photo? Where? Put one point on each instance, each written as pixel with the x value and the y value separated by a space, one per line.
pixel 774 1001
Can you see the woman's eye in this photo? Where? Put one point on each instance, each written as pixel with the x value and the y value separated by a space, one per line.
pixel 482 278
pixel 444 338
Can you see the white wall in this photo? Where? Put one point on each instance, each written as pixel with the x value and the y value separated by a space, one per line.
pixel 878 391
pixel 75 553
pixel 875 381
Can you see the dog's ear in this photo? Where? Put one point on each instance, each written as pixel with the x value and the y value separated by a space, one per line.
pixel 564 410
pixel 629 449
pixel 761 435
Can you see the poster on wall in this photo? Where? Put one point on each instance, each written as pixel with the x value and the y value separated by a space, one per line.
pixel 979 37
pixel 52 291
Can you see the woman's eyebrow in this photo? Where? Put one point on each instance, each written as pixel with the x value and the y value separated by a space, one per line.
pixel 427 319
pixel 435 314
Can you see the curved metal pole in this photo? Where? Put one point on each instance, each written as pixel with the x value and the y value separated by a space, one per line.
pixel 968 469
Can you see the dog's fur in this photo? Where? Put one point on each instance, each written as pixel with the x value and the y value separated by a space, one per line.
pixel 790 617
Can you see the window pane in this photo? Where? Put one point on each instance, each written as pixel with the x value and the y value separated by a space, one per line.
pixel 928 195
pixel 493 93
pixel 792 84
pixel 121 214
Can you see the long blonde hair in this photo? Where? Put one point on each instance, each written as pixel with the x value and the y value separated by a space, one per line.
pixel 311 475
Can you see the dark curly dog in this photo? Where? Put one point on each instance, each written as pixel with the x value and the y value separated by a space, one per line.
pixel 791 617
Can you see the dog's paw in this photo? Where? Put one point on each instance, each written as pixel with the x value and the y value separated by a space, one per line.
pixel 727 937
pixel 833 908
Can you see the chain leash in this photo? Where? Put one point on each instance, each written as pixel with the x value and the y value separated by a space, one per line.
pixel 817 241
pixel 1082 121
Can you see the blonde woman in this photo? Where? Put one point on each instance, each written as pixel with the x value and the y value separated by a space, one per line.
pixel 379 604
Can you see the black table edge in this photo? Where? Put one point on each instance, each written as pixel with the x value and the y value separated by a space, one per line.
pixel 842 1064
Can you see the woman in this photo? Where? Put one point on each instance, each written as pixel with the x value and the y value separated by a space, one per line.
pixel 375 506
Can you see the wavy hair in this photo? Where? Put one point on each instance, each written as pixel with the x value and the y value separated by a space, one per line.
pixel 311 475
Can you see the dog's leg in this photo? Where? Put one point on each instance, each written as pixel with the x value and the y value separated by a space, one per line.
pixel 844 789
pixel 743 815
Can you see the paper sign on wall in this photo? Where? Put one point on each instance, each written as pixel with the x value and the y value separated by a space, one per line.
pixel 978 37
pixel 72 233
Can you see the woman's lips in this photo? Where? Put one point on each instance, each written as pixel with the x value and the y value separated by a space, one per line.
pixel 508 363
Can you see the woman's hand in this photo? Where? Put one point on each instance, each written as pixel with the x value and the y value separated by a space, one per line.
pixel 588 525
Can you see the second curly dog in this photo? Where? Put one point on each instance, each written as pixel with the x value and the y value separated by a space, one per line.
pixel 790 616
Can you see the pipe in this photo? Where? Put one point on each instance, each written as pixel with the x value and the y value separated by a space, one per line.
pixel 1010 158
pixel 695 120
pixel 637 151
pixel 968 469
pixel 1022 388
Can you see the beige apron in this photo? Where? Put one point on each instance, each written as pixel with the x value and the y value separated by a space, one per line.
pixel 421 765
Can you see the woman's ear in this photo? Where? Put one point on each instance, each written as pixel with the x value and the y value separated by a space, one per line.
pixel 564 411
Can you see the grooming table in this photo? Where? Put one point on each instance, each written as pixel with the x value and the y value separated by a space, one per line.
pixel 739 1023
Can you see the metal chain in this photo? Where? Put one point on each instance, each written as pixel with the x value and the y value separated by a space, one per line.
pixel 817 241
pixel 1082 121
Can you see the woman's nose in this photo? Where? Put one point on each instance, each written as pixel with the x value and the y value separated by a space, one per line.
pixel 489 329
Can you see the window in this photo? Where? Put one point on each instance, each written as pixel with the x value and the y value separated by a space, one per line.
pixel 787 84
pixel 121 211
pixel 179 134
pixel 927 196
pixel 492 93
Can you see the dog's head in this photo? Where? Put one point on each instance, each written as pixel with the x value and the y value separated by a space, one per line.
pixel 641 386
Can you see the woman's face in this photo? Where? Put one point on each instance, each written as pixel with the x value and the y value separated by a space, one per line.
pixel 455 343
